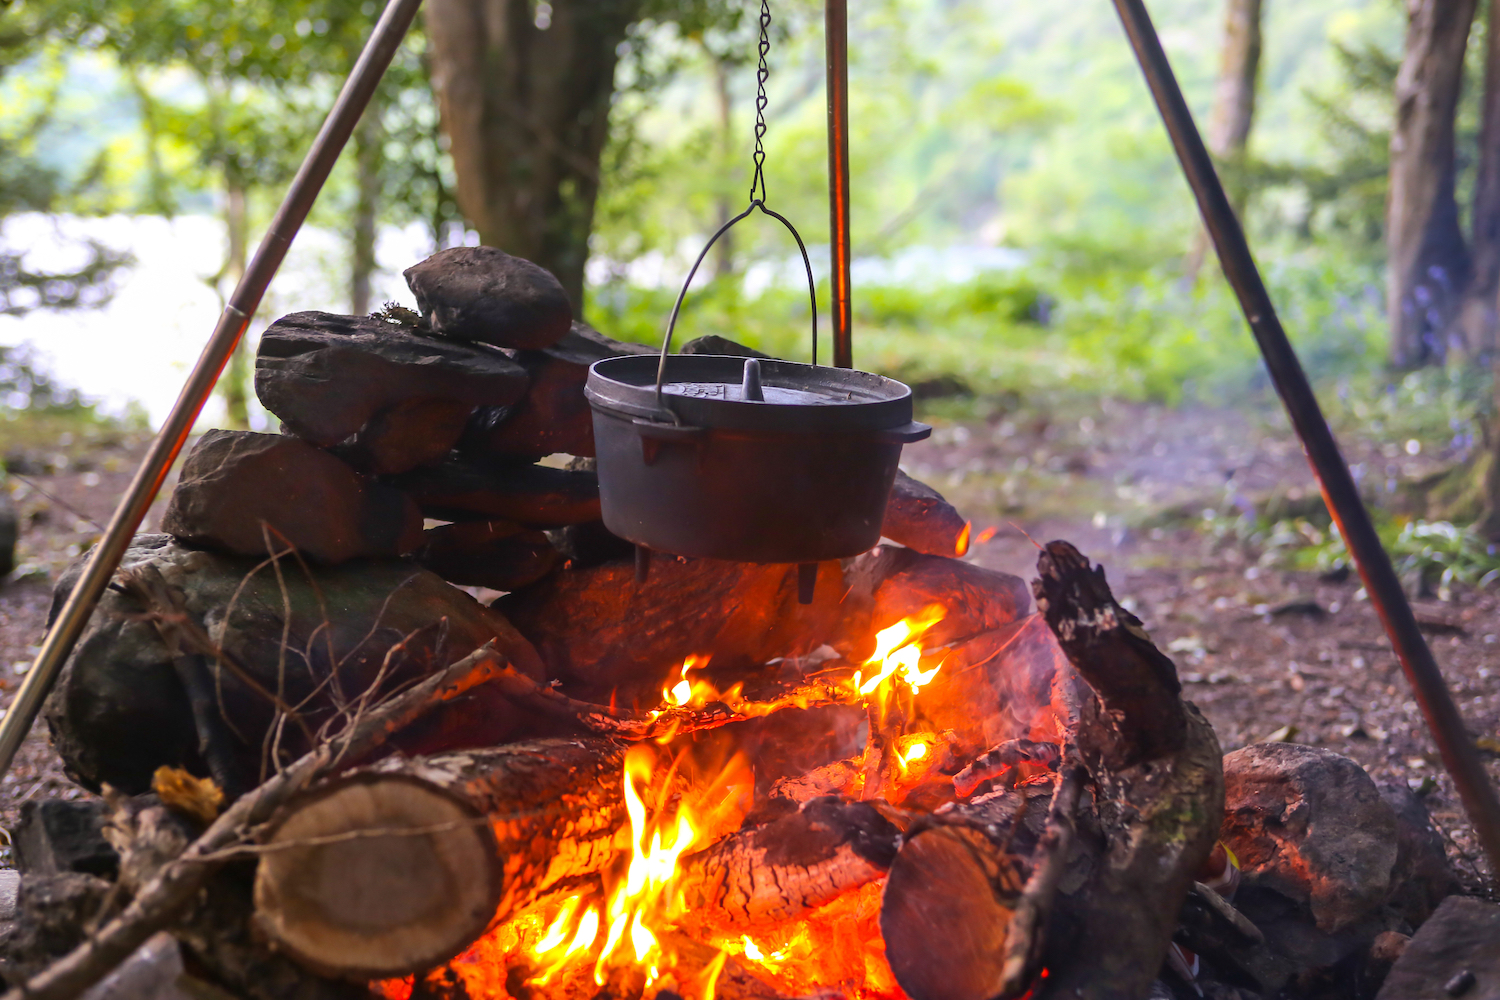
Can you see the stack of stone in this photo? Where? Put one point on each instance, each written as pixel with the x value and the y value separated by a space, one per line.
pixel 397 418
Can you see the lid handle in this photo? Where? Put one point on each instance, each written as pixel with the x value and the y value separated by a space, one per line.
pixel 750 383
pixel 812 292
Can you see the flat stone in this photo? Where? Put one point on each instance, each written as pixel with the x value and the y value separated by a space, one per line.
pixel 485 294
pixel 494 554
pixel 714 344
pixel 239 489
pixel 406 436
pixel 57 835
pixel 1463 935
pixel 534 495
pixel 123 707
pixel 1310 825
pixel 326 375
pixel 553 416
pixel 917 516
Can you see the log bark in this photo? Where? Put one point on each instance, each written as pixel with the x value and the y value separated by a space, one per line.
pixel 1136 683
pixel 1429 262
pixel 783 870
pixel 399 867
pixel 179 881
pixel 525 104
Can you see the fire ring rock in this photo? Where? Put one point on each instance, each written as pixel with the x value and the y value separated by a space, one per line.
pixel 236 482
pixel 1310 824
pixel 327 376
pixel 485 294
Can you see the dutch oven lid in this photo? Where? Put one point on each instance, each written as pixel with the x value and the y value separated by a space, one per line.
pixel 704 390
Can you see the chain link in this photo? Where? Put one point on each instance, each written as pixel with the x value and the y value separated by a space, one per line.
pixel 758 181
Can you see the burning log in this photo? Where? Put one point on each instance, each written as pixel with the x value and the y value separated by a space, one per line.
pixel 790 866
pixel 397 868
pixel 1096 899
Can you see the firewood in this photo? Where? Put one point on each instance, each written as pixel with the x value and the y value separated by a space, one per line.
pixel 394 869
pixel 788 867
pixel 1158 788
pixel 178 882
pixel 1136 682
pixel 917 516
pixel 946 911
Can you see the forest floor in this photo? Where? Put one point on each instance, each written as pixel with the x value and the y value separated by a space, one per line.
pixel 1265 651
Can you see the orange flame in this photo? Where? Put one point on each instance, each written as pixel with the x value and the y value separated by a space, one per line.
pixel 987 535
pixel 961 547
pixel 897 652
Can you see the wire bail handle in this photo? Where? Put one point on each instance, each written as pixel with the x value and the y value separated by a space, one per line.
pixel 757 201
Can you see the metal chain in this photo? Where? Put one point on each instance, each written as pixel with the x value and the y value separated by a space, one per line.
pixel 758 181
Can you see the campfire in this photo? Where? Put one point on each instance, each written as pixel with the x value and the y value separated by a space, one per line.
pixel 330 772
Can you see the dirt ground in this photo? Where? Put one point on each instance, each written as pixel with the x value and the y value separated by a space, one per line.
pixel 1265 652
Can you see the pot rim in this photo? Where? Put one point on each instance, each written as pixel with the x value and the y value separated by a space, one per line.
pixel 626 387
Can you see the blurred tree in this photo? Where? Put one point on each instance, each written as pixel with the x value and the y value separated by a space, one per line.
pixel 264 72
pixel 526 88
pixel 1233 111
pixel 27 185
pixel 1428 262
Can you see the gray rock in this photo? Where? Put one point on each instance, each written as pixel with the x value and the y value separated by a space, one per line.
pixel 123 707
pixel 537 496
pixel 485 294
pixel 238 490
pixel 326 376
pixel 917 516
pixel 10 888
pixel 154 971
pixel 554 416
pixel 714 344
pixel 1462 936
pixel 1423 876
pixel 494 554
pixel 56 835
pixel 1310 825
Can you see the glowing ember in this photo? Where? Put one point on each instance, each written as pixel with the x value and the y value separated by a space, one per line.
pixel 961 547
pixel 987 535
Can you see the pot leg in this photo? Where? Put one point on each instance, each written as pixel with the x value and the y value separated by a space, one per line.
pixel 642 564
pixel 807 579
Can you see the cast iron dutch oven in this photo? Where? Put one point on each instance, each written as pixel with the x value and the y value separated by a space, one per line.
pixel 754 461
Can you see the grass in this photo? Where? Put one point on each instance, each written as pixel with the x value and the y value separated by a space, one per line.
pixel 1129 333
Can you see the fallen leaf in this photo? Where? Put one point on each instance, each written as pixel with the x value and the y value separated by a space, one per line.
pixel 199 798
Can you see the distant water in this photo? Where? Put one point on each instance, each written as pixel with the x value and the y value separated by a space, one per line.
pixel 138 349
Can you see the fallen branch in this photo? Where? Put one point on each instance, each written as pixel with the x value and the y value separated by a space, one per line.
pixel 178 882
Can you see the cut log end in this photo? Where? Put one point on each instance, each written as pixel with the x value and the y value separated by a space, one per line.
pixel 378 877
pixel 945 914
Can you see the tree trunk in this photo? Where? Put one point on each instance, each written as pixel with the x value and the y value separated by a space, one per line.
pixel 525 103
pixel 1428 265
pixel 1233 111
pixel 236 380
pixel 369 139
pixel 1478 318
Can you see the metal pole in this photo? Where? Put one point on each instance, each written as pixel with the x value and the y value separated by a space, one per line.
pixel 330 141
pixel 1339 492
pixel 836 31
